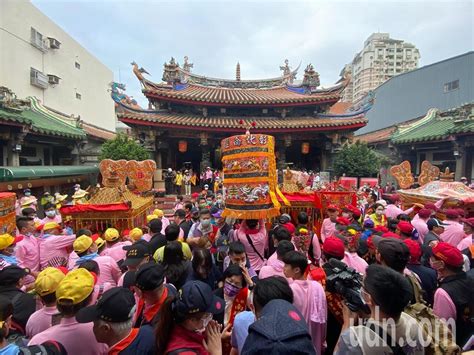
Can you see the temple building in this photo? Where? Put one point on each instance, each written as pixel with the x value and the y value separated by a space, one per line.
pixel 189 114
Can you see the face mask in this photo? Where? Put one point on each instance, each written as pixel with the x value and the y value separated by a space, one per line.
pixel 50 214
pixel 231 290
pixel 209 203
pixel 202 205
pixel 205 323
pixel 345 215
pixel 219 200
pixel 379 212
pixel 206 223
pixel 436 265
pixel 27 194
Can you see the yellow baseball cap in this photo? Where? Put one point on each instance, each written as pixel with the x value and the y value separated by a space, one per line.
pixel 82 243
pixel 48 281
pixel 76 286
pixel 136 234
pixel 151 217
pixel 50 225
pixel 99 242
pixel 6 240
pixel 159 213
pixel 111 234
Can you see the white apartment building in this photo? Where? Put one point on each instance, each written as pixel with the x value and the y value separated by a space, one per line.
pixel 381 58
pixel 38 58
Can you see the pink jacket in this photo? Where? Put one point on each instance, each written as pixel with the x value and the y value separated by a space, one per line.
pixel 328 229
pixel 274 267
pixel 355 261
pixel 260 242
pixel 54 246
pixel 310 299
pixel 28 253
pixel 453 233
pixel 116 252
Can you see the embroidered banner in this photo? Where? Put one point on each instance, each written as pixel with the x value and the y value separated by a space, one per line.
pixel 250 177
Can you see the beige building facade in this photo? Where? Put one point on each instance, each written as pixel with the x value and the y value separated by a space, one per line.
pixel 38 58
pixel 381 59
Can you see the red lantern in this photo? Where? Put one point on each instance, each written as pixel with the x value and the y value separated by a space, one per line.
pixel 305 148
pixel 182 146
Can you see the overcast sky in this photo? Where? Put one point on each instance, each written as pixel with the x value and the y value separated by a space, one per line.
pixel 259 34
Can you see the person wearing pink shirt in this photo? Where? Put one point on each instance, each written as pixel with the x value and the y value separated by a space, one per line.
pixel 73 294
pixel 274 266
pixel 114 245
pixel 453 231
pixel 165 222
pixel 253 235
pixel 419 223
pixel 46 285
pixel 52 215
pixel 454 298
pixel 313 248
pixel 54 248
pixel 328 227
pixel 27 251
pixel 468 225
pixel 86 249
pixel 308 297
pixel 99 289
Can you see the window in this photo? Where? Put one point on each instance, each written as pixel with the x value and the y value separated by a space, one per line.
pixel 78 96
pixel 36 39
pixel 77 65
pixel 452 85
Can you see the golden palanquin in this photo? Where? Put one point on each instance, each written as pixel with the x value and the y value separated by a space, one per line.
pixel 110 207
pixel 114 205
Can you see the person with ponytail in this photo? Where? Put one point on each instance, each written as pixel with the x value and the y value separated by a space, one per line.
pixel 309 297
pixel 186 324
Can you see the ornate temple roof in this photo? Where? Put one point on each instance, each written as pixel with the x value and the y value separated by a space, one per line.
pixel 233 124
pixel 225 96
pixel 437 126
pixel 180 85
pixel 38 118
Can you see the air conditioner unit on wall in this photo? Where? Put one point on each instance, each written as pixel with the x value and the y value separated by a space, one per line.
pixel 53 79
pixel 54 43
pixel 38 79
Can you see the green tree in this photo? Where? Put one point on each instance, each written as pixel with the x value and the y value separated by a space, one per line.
pixel 357 160
pixel 123 147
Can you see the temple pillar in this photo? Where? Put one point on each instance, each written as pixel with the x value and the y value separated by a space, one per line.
pixel 281 154
pixel 205 157
pixel 13 153
pixel 460 155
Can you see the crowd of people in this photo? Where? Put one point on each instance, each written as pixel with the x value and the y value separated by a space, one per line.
pixel 199 283
pixel 183 180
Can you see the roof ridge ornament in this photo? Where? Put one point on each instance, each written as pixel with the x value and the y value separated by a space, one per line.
pixel 139 72
pixel 288 75
pixel 171 72
pixel 237 72
pixel 311 77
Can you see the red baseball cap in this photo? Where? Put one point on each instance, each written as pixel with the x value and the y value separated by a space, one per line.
pixel 469 221
pixel 381 229
pixel 390 235
pixel 405 227
pixel 452 213
pixel 343 221
pixel 415 250
pixel 394 198
pixel 424 213
pixel 332 208
pixel 355 211
pixel 290 227
pixel 448 253
pixel 195 195
pixel 431 206
pixel 334 246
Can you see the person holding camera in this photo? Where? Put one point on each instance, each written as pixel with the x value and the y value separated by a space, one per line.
pixel 388 330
